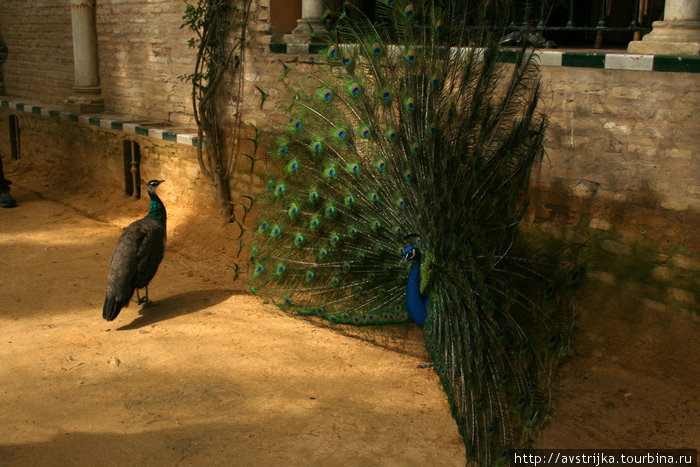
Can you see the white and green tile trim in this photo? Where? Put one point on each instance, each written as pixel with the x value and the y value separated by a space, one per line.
pixel 102 122
pixel 608 61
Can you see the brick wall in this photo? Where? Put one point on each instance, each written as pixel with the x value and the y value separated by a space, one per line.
pixel 40 42
pixel 142 51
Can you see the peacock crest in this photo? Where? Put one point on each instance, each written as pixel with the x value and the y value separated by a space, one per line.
pixel 414 141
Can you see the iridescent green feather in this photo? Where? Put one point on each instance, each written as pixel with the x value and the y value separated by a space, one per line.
pixel 399 133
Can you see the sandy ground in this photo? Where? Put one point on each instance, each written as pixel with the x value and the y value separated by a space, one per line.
pixel 211 375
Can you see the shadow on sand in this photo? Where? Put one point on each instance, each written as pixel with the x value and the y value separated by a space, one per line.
pixel 178 305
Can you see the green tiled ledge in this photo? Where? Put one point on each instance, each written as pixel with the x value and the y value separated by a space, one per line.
pixel 609 61
pixel 157 133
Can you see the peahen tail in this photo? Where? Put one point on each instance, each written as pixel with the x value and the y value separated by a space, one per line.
pixel 414 140
pixel 111 308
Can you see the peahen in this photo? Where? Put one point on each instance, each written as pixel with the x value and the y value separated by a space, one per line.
pixel 136 257
pixel 395 194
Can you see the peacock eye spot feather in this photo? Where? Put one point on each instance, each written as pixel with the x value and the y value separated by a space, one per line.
pixel 410 104
pixel 376 49
pixel 411 57
pixel 263 227
pixel 332 51
pixel 313 196
pixel 391 134
pixel 326 95
pixel 314 223
pixel 322 253
pixel 349 200
pixel 346 60
pixel 276 230
pixel 297 124
pixel 279 190
pixel 259 269
pixel 330 210
pixel 281 268
pixel 408 11
pixel 374 197
pixel 340 133
pixel 292 166
pixel 364 131
pixel 381 164
pixel 316 146
pixel 299 239
pixel 415 149
pixel 283 150
pixel 400 203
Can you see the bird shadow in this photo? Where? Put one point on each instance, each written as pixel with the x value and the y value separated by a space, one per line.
pixel 178 305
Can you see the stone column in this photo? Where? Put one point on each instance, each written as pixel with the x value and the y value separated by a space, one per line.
pixel 87 94
pixel 677 34
pixel 311 14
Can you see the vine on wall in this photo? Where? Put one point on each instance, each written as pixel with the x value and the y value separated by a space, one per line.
pixel 220 35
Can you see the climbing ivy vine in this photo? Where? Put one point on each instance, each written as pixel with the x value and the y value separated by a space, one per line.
pixel 219 28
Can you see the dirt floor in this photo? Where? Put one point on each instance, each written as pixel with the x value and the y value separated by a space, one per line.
pixel 211 375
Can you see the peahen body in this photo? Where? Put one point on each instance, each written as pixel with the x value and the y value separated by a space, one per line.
pixel 136 257
pixel 395 194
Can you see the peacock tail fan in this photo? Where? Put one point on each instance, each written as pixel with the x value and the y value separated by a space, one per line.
pixel 412 124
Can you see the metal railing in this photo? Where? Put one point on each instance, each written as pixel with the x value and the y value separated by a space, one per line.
pixel 576 21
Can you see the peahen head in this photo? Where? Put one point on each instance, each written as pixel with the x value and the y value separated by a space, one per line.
pixel 410 253
pixel 152 185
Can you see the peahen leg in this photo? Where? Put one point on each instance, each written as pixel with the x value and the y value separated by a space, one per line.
pixel 142 301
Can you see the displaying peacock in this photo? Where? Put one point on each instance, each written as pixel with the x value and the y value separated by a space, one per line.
pixel 136 257
pixel 395 194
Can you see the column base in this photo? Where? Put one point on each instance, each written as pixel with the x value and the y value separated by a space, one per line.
pixel 86 100
pixel 85 104
pixel 302 33
pixel 681 37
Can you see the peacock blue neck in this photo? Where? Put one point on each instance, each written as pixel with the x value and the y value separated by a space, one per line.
pixel 156 210
pixel 416 302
